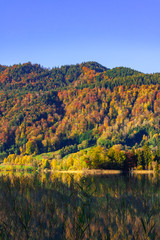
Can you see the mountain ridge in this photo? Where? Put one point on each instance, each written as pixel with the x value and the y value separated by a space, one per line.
pixel 84 104
pixel 34 77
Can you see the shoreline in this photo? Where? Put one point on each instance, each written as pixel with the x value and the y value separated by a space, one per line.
pixel 14 168
pixel 90 171
pixel 102 172
pixel 142 172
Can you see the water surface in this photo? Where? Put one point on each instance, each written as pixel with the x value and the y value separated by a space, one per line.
pixel 74 206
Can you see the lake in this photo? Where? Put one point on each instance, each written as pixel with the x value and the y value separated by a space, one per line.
pixel 75 206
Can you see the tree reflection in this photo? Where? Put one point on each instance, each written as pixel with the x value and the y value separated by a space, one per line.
pixel 63 206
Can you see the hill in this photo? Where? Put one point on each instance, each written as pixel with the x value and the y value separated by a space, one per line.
pixel 75 107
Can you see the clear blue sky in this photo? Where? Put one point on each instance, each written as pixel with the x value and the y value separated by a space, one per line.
pixel 59 32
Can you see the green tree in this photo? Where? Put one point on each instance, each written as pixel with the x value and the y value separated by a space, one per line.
pixel 147 155
pixel 140 163
pixel 31 147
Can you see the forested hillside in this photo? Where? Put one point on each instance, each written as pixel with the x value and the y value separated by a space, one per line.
pixel 77 106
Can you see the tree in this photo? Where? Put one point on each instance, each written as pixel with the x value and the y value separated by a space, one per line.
pixel 140 163
pixel 31 147
pixel 147 155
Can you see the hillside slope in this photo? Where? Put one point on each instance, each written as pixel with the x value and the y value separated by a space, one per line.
pixel 79 106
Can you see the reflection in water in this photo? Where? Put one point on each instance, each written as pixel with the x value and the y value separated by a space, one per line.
pixel 64 206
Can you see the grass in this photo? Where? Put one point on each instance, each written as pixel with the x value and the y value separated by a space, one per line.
pixel 85 149
pixel 49 155
pixel 56 154
pixel 10 167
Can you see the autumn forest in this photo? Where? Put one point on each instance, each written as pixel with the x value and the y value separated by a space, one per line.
pixel 86 115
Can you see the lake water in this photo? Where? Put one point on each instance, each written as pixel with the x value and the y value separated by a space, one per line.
pixel 65 206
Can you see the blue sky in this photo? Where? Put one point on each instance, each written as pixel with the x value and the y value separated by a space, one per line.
pixel 59 32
